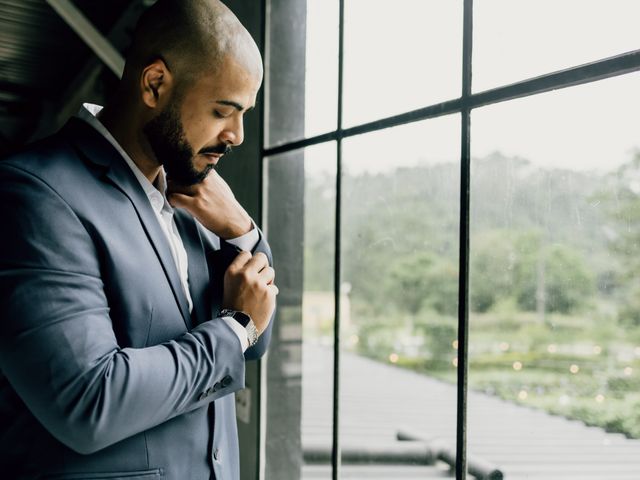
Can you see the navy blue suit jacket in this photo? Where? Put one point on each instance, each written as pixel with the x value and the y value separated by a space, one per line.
pixel 104 372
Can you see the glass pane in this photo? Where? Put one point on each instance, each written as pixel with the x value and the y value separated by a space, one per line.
pixel 321 67
pixel 303 73
pixel 400 216
pixel 318 304
pixel 513 41
pixel 555 243
pixel 301 228
pixel 400 57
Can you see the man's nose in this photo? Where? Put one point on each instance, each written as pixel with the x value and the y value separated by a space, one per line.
pixel 233 134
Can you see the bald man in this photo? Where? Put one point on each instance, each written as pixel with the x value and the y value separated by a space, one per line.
pixel 134 286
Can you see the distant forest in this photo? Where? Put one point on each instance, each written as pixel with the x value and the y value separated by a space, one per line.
pixel 547 239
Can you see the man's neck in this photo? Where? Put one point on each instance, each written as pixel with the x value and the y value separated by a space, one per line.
pixel 121 124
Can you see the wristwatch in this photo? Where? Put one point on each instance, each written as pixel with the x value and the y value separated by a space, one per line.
pixel 244 320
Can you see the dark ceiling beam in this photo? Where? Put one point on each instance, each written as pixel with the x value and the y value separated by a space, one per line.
pixel 89 34
pixel 83 85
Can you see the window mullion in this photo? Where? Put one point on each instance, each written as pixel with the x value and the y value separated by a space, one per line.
pixel 463 289
pixel 336 453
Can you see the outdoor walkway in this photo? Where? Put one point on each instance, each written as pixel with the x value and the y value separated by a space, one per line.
pixel 525 444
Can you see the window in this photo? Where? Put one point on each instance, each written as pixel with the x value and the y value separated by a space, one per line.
pixel 390 54
pixel 452 257
pixel 306 319
pixel 513 41
pixel 553 316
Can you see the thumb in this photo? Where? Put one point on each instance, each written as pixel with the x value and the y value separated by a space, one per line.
pixel 241 260
pixel 180 200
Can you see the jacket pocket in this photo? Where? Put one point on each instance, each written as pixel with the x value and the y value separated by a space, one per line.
pixel 137 475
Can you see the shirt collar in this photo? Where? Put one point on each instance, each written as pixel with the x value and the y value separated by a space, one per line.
pixel 88 112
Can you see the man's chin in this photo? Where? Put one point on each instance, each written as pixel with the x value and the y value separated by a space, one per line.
pixel 188 178
pixel 205 172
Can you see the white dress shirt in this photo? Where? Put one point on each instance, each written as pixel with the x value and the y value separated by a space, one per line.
pixel 164 213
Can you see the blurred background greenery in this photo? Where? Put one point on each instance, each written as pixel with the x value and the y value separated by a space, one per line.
pixel 554 293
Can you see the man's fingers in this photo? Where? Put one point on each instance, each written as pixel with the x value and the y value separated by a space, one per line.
pixel 179 200
pixel 258 262
pixel 268 274
pixel 240 261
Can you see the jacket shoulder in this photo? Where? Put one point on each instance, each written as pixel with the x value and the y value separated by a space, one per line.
pixel 55 161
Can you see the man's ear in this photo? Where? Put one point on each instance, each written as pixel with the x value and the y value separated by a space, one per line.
pixel 156 83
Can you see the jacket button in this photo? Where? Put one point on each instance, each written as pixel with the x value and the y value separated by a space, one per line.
pixel 226 381
pixel 216 455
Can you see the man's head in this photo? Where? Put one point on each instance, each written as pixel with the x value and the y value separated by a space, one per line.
pixel 194 70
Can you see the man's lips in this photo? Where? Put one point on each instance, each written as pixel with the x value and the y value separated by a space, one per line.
pixel 214 154
pixel 213 157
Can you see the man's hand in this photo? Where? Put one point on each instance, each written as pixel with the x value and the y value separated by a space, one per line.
pixel 249 287
pixel 212 202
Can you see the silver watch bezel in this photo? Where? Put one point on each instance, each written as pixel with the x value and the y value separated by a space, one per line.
pixel 252 333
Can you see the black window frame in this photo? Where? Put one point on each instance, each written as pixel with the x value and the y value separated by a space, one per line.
pixel 576 75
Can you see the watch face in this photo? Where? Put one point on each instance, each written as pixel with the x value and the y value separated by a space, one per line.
pixel 240 317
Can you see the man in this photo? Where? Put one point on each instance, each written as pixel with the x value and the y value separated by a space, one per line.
pixel 125 324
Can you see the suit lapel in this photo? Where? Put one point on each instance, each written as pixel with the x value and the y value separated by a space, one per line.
pixel 99 151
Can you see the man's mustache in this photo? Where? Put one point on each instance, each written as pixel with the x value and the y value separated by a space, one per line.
pixel 219 149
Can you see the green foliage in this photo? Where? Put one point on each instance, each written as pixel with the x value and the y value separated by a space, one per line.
pixel 390 220
pixel 619 416
pixel 377 338
pixel 621 384
pixel 567 282
pixel 439 333
pixel 630 310
pixel 623 201
pixel 493 258
pixel 423 281
pixel 400 236
pixel 507 264
pixel 319 232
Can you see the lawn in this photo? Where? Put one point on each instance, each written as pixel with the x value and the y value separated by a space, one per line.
pixel 584 367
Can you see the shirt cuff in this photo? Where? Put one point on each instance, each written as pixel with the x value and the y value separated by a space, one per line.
pixel 239 330
pixel 248 241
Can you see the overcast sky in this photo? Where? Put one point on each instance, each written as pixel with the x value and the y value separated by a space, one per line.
pixel 406 54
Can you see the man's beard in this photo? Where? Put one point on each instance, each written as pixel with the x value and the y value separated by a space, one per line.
pixel 171 148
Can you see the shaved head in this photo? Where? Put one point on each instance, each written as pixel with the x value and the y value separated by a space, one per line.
pixel 192 37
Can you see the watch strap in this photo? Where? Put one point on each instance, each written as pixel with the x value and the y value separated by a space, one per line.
pixel 244 320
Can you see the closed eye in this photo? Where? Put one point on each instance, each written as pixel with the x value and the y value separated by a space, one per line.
pixel 219 114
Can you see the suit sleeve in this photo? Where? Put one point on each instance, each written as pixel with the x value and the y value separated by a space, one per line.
pixel 57 345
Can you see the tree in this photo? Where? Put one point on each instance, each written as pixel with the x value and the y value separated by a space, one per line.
pixel 493 259
pixel 623 198
pixel 566 283
pixel 422 280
